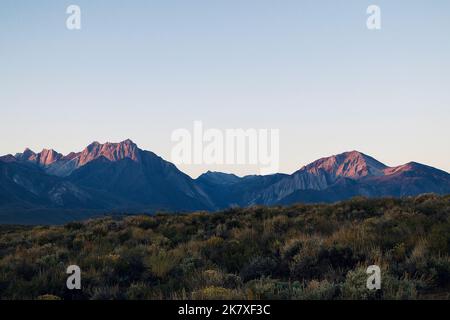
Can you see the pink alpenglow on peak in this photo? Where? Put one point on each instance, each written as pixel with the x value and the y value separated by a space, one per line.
pixel 111 151
pixel 48 156
pixel 57 164
pixel 353 164
pixel 122 177
pixel 45 158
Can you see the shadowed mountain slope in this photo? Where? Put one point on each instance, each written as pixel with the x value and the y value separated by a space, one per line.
pixel 48 187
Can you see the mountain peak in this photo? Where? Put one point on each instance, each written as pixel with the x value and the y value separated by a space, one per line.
pixel 126 149
pixel 94 143
pixel 27 155
pixel 28 152
pixel 48 156
pixel 218 177
pixel 128 141
pixel 43 158
pixel 351 164
pixel 354 153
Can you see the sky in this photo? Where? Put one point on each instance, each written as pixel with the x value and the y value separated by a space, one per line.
pixel 312 69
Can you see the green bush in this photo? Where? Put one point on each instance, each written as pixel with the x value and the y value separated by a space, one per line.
pixel 258 267
pixel 300 252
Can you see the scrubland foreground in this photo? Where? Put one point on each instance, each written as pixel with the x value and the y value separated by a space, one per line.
pixel 296 252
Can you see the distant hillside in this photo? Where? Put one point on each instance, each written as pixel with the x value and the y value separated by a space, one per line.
pixel 48 187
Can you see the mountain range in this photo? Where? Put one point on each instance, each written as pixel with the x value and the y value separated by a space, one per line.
pixel 50 188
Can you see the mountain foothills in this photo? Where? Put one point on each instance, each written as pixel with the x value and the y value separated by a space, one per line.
pixel 48 187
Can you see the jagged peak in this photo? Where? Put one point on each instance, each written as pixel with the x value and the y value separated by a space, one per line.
pixel 26 155
pixel 128 141
pixel 28 150
pixel 92 145
pixel 111 151
pixel 49 152
pixel 48 156
pixel 71 156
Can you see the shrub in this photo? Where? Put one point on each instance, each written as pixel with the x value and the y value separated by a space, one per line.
pixel 232 281
pixel 48 297
pixel 318 290
pixel 439 268
pixel 440 238
pixel 213 293
pixel 107 293
pixel 297 252
pixel 258 267
pixel 355 286
pixel 161 263
pixel 138 291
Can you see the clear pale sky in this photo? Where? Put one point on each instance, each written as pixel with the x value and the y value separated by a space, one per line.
pixel 141 69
